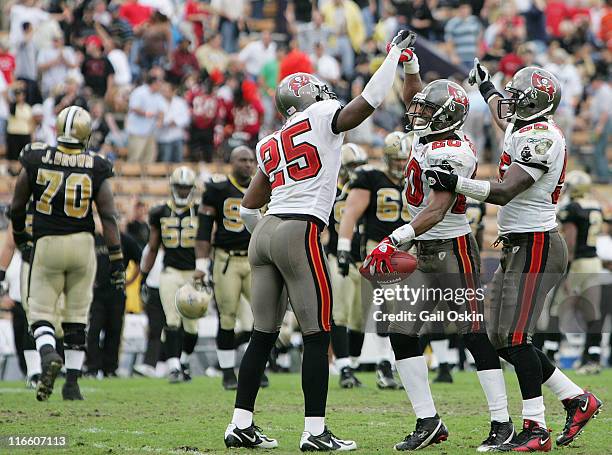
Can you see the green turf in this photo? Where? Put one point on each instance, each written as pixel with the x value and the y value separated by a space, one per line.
pixel 151 416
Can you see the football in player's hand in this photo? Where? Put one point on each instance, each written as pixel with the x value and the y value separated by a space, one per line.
pixel 403 264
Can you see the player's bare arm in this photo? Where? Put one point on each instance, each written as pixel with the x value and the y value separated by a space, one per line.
pixel 377 87
pixel 438 204
pixel 206 221
pixel 570 233
pixel 412 78
pixel 356 204
pixel 105 203
pixel 154 243
pixel 22 194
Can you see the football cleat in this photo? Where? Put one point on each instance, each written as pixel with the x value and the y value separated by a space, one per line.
pixel 430 430
pixel 533 438
pixel 71 391
pixel 186 372
pixel 444 374
pixel 32 381
pixel 384 376
pixel 589 368
pixel 175 376
pixel 145 370
pixel 250 437
pixel 501 433
pixel 348 380
pixel 324 442
pixel 51 365
pixel 580 410
pixel 265 382
pixel 229 379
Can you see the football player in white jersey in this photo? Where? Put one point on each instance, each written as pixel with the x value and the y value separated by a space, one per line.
pixel 297 173
pixel 447 258
pixel 534 255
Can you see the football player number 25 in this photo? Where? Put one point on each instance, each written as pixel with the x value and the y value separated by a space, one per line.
pixel 271 156
pixel 77 192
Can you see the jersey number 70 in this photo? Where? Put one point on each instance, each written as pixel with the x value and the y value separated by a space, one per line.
pixel 270 153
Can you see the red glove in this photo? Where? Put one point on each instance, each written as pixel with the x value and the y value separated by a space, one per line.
pixel 379 259
pixel 407 54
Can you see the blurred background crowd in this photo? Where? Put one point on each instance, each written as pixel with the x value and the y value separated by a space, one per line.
pixel 174 80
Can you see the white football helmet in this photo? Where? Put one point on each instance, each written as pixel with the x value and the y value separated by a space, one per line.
pixel 396 152
pixel 182 180
pixel 351 157
pixel 192 301
pixel 578 183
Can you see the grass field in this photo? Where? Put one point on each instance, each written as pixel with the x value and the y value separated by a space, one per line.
pixel 151 416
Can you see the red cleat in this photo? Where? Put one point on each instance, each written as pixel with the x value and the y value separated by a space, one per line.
pixel 533 438
pixel 580 410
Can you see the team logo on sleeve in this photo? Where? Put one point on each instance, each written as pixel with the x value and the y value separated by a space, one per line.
pixel 458 96
pixel 543 84
pixel 296 83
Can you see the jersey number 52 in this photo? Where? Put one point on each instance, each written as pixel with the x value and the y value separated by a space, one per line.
pixel 271 150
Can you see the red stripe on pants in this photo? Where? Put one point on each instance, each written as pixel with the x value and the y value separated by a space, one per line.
pixel 322 283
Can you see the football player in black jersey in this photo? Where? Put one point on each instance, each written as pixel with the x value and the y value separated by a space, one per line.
pixel 476 211
pixel 346 280
pixel 64 181
pixel 377 196
pixel 231 273
pixel 174 225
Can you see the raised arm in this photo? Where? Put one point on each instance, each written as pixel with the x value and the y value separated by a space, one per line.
pixel 412 78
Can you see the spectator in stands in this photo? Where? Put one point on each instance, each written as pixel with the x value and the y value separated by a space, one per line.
pixel 325 66
pixel 70 95
pixel 4 113
pixel 197 14
pixel 245 113
pixel 119 59
pixel 421 19
pixel 138 227
pixel 206 111
pixel 462 35
pixel 535 24
pixel 295 61
pixel 42 132
pixel 183 62
pixel 19 125
pixel 134 13
pixel 83 27
pixel 96 68
pixel 101 15
pixel 120 28
pixel 55 63
pixel 24 11
pixel 99 126
pixel 211 55
pixel 344 19
pixel 231 20
pixel 145 115
pixel 600 114
pixel 255 54
pixel 156 42
pixel 25 64
pixel 7 61
pixel 303 21
pixel 171 137
pixel 268 80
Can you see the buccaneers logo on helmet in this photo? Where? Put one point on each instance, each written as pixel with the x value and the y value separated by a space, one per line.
pixel 297 83
pixel 543 84
pixel 457 95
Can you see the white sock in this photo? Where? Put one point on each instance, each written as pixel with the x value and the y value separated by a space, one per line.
pixel 174 364
pixel 382 347
pixel 441 350
pixel 494 387
pixel 242 418
pixel 227 358
pixel 343 362
pixel 32 360
pixel 44 335
pixel 314 425
pixel 533 409
pixel 354 362
pixel 185 357
pixel 74 359
pixel 413 372
pixel 562 386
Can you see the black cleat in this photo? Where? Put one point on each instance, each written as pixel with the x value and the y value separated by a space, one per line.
pixel 186 372
pixel 229 379
pixel 51 366
pixel 174 377
pixel 384 376
pixel 265 382
pixel 324 442
pixel 348 379
pixel 444 374
pixel 501 433
pixel 251 437
pixel 430 430
pixel 71 391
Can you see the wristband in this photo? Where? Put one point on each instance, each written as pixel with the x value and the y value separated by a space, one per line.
pixel 203 264
pixel 344 244
pixel 402 234
pixel 2 275
pixel 476 189
pixel 487 90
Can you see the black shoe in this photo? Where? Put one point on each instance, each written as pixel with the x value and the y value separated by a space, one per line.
pixel 430 430
pixel 324 442
pixel 533 438
pixel 250 437
pixel 71 391
pixel 174 377
pixel 501 433
pixel 229 379
pixel 265 382
pixel 384 376
pixel 51 365
pixel 348 379
pixel 186 372
pixel 444 374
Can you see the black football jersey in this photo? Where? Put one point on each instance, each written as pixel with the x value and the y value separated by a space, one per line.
pixel 225 195
pixel 334 225
pixel 387 209
pixel 64 185
pixel 178 228
pixel 587 215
